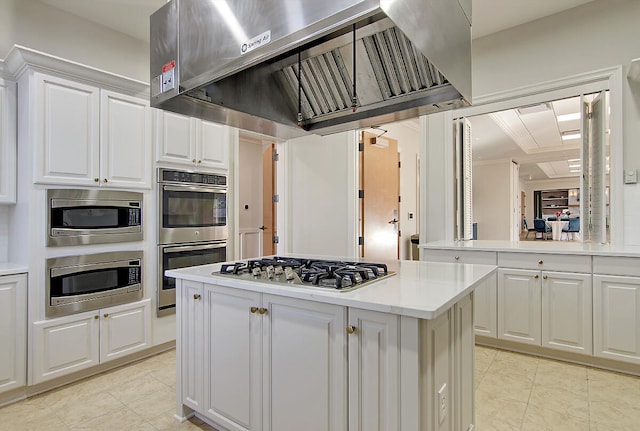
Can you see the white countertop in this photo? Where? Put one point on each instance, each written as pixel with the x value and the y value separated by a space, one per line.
pixel 8 268
pixel 540 246
pixel 418 289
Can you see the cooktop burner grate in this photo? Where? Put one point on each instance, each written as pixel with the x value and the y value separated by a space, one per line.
pixel 332 274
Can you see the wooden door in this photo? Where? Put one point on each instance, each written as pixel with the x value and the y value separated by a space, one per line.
pixel 380 180
pixel 268 207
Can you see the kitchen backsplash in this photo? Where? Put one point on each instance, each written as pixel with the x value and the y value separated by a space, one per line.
pixel 4 233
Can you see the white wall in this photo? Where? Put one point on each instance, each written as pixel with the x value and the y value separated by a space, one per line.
pixel 317 209
pixel 594 36
pixel 491 199
pixel 44 28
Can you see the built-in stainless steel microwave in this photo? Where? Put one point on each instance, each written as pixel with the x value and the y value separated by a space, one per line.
pixel 93 216
pixel 91 281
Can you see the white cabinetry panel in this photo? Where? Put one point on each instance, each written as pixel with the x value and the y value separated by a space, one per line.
pixel 66 123
pixel 314 334
pixel 213 150
pixel 191 306
pixel 519 305
pixel 374 370
pixel 125 142
pixel 8 139
pixel 567 312
pixel 72 343
pixel 13 331
pixel 616 306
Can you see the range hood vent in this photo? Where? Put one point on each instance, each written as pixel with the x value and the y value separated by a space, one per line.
pixel 303 81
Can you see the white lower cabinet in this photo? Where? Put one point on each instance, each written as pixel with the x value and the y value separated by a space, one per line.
pixel 269 362
pixel 72 343
pixel 545 308
pixel 567 312
pixel 519 306
pixel 256 361
pixel 616 317
pixel 13 331
pixel 374 371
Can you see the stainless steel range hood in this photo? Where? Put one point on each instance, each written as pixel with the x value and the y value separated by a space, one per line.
pixel 239 62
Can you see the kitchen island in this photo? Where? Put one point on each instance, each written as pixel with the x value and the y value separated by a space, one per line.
pixel 394 354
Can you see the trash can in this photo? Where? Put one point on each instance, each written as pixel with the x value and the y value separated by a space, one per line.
pixel 415 252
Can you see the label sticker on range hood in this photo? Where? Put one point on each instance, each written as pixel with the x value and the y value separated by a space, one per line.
pixel 256 42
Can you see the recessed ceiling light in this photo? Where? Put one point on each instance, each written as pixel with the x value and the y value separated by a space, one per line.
pixel 532 109
pixel 568 117
pixel 573 160
pixel 570 135
pixel 574 166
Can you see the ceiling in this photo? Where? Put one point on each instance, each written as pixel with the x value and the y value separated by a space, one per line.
pixel 532 139
pixel 132 16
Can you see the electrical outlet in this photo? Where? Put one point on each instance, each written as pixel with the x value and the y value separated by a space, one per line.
pixel 443 401
pixel 410 216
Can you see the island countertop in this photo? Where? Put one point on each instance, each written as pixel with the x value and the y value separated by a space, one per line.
pixel 417 289
pixel 541 246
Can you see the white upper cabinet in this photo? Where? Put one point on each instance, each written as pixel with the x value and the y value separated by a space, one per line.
pixel 7 141
pixel 191 142
pixel 125 140
pixel 87 136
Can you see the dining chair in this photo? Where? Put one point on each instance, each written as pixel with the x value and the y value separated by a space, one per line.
pixel 552 218
pixel 540 226
pixel 527 228
pixel 572 227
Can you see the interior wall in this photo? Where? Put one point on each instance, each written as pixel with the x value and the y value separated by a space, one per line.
pixel 408 136
pixel 36 25
pixel 491 199
pixel 320 199
pixel 587 38
pixel 250 185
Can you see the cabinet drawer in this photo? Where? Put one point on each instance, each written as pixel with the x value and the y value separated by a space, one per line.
pixel 550 262
pixel 460 256
pixel 616 265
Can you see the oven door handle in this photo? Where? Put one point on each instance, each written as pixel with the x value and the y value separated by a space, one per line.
pixel 66 270
pixel 63 203
pixel 174 249
pixel 201 189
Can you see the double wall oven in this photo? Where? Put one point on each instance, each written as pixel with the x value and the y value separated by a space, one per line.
pixel 192 226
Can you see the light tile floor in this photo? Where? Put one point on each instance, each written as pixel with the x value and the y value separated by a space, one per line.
pixel 513 392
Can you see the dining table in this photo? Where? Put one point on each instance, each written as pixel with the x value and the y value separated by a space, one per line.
pixel 556 228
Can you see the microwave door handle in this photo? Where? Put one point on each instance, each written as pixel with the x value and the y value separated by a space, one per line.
pixel 66 270
pixel 205 189
pixel 194 247
pixel 62 203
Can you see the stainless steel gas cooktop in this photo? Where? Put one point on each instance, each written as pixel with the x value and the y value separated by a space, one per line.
pixel 337 275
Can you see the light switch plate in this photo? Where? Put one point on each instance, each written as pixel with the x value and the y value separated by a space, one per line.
pixel 630 176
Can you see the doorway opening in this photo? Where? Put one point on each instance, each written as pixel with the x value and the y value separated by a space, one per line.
pixel 257 202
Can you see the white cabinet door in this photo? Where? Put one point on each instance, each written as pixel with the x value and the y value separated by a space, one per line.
pixel 175 137
pixel 191 308
pixel 125 141
pixel 567 311
pixel 212 150
pixel 305 366
pixel 485 308
pixel 233 371
pixel 65 345
pixel 519 305
pixel 124 329
pixel 374 371
pixel 616 317
pixel 65 122
pixel 8 108
pixel 13 332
